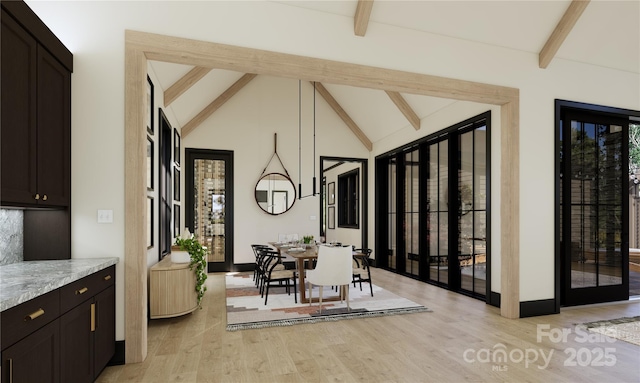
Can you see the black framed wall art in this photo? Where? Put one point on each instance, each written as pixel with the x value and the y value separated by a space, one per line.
pixel 150 106
pixel 331 193
pixel 149 164
pixel 176 147
pixel 331 217
pixel 149 222
pixel 176 220
pixel 176 184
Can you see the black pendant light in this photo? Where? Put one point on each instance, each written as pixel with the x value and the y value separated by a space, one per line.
pixel 300 196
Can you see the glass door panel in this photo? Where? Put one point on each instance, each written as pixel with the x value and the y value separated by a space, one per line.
pixel 209 204
pixel 480 172
pixel 596 212
pixel 472 210
pixel 595 232
pixel 442 199
pixel 438 211
pixel 411 213
pixel 391 219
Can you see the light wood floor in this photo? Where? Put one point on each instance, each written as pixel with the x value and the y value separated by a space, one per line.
pixel 441 346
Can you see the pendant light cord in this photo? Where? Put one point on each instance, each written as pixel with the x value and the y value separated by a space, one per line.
pixel 299 139
pixel 314 138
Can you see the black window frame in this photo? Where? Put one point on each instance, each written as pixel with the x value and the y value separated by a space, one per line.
pixel 348 202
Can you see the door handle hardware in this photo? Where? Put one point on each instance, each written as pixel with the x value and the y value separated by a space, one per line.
pixel 34 315
pixel 107 277
pixel 82 291
pixel 10 370
pixel 93 317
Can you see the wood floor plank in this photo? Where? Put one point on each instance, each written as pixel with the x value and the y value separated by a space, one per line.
pixel 419 347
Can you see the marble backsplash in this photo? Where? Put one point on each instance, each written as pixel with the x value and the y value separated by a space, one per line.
pixel 11 236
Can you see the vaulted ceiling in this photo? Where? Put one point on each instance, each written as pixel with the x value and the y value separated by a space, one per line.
pixel 602 33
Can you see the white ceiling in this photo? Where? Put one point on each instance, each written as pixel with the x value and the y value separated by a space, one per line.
pixel 607 34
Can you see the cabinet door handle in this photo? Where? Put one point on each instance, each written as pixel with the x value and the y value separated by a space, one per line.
pixel 44 198
pixel 107 277
pixel 82 291
pixel 10 370
pixel 34 315
pixel 37 196
pixel 93 317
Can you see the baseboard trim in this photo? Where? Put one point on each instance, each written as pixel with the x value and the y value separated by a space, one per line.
pixel 494 299
pixel 537 308
pixel 118 356
pixel 244 266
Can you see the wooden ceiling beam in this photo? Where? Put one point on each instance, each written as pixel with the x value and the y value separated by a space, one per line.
pixel 246 60
pixel 216 104
pixel 344 116
pixel 564 27
pixel 361 18
pixel 182 85
pixel 404 107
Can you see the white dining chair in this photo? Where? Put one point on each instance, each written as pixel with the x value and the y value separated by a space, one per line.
pixel 333 268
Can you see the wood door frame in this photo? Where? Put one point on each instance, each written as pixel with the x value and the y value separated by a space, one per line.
pixel 142 46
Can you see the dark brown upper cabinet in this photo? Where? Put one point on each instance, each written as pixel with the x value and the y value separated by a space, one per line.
pixel 36 114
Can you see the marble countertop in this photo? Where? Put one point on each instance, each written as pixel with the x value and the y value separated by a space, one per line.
pixel 22 281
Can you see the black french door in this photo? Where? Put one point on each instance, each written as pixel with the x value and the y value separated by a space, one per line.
pixel 433 204
pixel 209 204
pixel 594 207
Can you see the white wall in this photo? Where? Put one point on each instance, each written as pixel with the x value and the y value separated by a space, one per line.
pixel 246 125
pixel 94 32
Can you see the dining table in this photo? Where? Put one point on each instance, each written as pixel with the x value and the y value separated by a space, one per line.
pixel 302 254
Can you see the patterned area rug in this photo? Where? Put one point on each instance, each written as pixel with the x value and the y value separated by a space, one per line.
pixel 246 309
pixel 626 329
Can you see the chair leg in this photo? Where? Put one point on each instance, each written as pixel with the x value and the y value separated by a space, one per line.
pixel 309 293
pixel 370 287
pixel 266 295
pixel 295 294
pixel 347 297
pixel 320 299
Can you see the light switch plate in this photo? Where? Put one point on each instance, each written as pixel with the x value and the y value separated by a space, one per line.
pixel 105 216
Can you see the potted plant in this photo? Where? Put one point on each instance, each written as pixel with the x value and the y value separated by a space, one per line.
pixel 307 239
pixel 198 254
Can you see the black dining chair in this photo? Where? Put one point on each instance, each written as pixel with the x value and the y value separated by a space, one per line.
pixel 361 269
pixel 274 271
pixel 257 272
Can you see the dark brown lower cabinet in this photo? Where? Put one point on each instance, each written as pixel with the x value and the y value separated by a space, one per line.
pixel 105 329
pixel 88 330
pixel 67 335
pixel 35 358
pixel 76 345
